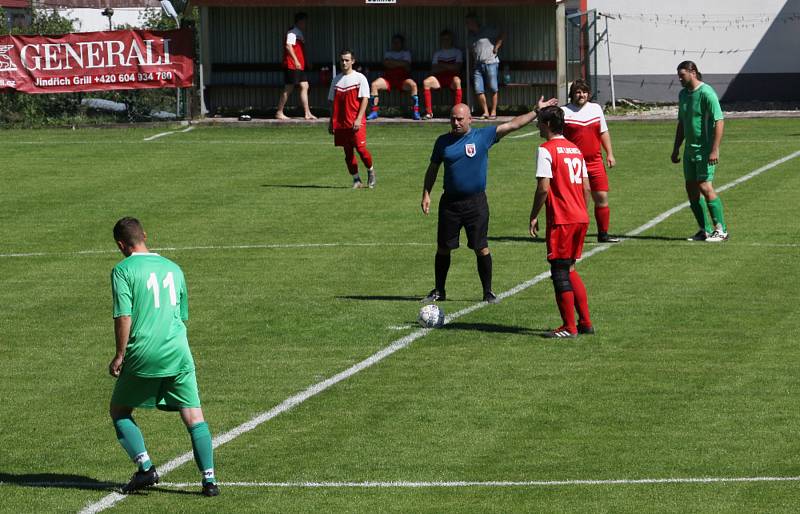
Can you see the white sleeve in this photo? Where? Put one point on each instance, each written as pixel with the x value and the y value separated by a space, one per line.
pixel 291 38
pixel 363 87
pixel 332 90
pixel 603 126
pixel 544 164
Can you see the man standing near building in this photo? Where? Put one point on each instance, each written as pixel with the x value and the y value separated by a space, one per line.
pixel 294 64
pixel 465 154
pixel 396 75
pixel 153 364
pixel 485 42
pixel 560 174
pixel 700 122
pixel 350 95
pixel 585 125
pixel 446 65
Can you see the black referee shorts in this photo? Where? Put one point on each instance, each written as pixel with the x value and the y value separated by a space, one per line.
pixel 294 76
pixel 470 212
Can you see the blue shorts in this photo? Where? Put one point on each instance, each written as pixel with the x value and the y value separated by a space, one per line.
pixel 487 72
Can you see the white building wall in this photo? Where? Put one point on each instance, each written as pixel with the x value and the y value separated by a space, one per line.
pixel 92 20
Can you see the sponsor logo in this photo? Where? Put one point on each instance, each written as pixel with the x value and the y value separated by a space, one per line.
pixel 470 150
pixel 6 64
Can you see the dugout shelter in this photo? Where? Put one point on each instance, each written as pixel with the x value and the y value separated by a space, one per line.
pixel 241 45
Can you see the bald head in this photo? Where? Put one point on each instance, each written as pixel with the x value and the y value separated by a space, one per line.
pixel 460 119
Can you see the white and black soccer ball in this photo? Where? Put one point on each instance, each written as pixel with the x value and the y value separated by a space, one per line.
pixel 431 316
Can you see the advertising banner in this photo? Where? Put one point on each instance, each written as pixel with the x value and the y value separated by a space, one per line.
pixel 97 61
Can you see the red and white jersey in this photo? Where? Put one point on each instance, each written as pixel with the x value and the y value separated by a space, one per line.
pixel 448 56
pixel 562 162
pixel 295 38
pixel 583 127
pixel 346 93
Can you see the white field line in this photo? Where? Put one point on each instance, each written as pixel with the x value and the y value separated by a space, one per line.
pixel 112 499
pixel 162 134
pixel 526 134
pixel 403 484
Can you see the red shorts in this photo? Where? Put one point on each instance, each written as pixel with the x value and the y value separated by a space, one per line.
pixel 565 241
pixel 395 80
pixel 446 79
pixel 598 179
pixel 346 137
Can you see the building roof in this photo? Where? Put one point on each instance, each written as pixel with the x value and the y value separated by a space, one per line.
pixel 15 4
pixel 377 4
pixel 88 4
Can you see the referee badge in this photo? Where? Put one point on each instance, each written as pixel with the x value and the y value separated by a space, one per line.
pixel 469 148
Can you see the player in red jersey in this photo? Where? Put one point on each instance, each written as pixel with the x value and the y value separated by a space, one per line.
pixel 446 64
pixel 294 64
pixel 396 75
pixel 350 95
pixel 560 174
pixel 585 125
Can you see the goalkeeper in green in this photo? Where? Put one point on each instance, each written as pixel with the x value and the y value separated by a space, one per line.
pixel 153 364
pixel 700 123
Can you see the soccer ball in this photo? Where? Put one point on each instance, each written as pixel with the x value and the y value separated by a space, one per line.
pixel 431 316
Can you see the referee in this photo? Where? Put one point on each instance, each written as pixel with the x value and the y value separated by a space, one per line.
pixel 465 154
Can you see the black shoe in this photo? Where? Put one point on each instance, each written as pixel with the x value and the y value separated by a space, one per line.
pixel 490 297
pixel 210 489
pixel 602 237
pixel 560 333
pixel 586 330
pixel 141 480
pixel 434 296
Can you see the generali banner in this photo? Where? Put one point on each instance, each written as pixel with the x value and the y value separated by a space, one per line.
pixel 97 61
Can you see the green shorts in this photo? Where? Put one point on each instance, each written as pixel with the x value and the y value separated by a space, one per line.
pixel 164 393
pixel 697 169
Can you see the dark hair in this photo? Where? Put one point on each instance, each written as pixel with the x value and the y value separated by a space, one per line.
pixel 400 37
pixel 446 32
pixel 690 66
pixel 579 85
pixel 553 117
pixel 129 231
pixel 300 17
pixel 347 51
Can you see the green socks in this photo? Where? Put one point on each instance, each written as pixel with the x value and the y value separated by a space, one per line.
pixel 203 451
pixel 130 437
pixel 717 215
pixel 699 210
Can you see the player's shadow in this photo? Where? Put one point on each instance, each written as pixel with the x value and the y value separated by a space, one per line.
pixel 58 481
pixel 304 186
pixel 382 298
pixel 494 328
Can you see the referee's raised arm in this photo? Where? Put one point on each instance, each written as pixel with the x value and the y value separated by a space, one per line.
pixel 523 119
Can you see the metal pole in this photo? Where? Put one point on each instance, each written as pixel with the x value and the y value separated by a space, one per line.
pixel 467 57
pixel 610 72
pixel 333 43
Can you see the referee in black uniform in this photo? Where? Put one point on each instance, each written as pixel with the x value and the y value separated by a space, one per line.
pixel 465 154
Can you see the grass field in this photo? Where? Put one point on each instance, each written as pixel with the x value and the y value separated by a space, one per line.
pixel 294 278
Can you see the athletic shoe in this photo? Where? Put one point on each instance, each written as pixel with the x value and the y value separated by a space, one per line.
pixel 718 236
pixel 373 115
pixel 560 333
pixel 371 179
pixel 141 480
pixel 434 296
pixel 416 116
pixel 428 116
pixel 586 330
pixel 210 489
pixel 701 235
pixel 357 184
pixel 490 297
pixel 602 237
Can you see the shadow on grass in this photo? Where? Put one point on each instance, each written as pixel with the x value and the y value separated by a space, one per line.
pixel 494 328
pixel 304 186
pixel 57 480
pixel 382 298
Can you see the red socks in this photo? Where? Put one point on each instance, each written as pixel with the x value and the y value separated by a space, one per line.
pixel 566 306
pixel 428 101
pixel 602 215
pixel 581 300
pixel 458 93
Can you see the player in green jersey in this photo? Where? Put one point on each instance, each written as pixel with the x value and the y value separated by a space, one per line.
pixel 700 123
pixel 153 364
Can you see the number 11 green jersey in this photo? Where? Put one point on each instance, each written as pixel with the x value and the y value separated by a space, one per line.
pixel 151 290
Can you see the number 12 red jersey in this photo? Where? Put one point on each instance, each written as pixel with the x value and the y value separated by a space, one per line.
pixel 562 162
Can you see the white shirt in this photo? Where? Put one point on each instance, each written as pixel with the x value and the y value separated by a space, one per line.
pixel 343 83
pixel 448 56
pixel 402 55
pixel 590 114
pixel 294 35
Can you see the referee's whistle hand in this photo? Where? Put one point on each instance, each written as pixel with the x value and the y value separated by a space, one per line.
pixel 115 367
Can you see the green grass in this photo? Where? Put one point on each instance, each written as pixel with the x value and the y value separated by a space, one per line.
pixel 693 372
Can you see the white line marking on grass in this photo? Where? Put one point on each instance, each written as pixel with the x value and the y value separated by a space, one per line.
pixel 527 134
pixel 111 499
pixel 162 134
